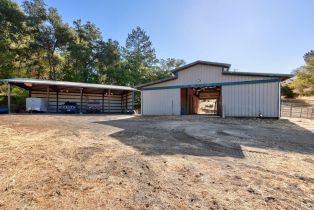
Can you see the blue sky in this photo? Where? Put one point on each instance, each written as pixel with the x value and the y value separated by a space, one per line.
pixel 251 35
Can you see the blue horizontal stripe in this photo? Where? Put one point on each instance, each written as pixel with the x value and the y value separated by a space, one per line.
pixel 213 84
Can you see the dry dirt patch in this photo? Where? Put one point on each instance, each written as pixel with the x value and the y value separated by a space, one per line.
pixel 124 162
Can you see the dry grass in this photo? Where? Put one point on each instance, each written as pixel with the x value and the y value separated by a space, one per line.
pixel 118 162
pixel 299 101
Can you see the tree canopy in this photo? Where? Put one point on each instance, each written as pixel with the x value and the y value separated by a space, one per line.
pixel 304 82
pixel 36 43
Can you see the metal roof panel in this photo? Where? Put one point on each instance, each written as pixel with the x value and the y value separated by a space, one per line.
pixel 68 84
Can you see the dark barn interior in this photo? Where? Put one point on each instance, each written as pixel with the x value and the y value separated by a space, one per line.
pixel 201 100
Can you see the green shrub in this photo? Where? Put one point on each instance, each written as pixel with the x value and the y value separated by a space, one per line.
pixel 287 91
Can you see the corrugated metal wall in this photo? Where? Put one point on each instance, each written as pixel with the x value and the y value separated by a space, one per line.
pixel 201 74
pixel 245 100
pixel 251 100
pixel 161 102
pixel 127 101
pixel 112 103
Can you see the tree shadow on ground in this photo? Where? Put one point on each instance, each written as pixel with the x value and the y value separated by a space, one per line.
pixel 147 136
pixel 153 141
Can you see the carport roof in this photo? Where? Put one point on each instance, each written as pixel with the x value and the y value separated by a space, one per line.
pixel 27 83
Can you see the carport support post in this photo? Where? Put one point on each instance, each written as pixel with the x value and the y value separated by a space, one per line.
pixel 133 97
pixel 48 95
pixel 126 101
pixel 9 98
pixel 121 103
pixel 142 103
pixel 81 100
pixel 103 102
pixel 57 101
pixel 109 93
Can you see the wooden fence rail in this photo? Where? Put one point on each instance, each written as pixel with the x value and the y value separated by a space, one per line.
pixel 291 110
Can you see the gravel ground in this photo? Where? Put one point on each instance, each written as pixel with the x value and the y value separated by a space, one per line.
pixel 126 162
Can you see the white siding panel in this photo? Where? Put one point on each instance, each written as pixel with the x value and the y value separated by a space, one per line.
pixel 203 74
pixel 251 99
pixel 200 74
pixel 245 100
pixel 161 102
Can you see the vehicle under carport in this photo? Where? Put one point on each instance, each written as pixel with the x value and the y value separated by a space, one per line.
pixel 110 98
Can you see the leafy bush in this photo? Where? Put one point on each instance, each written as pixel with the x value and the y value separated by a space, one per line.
pixel 287 91
pixel 18 99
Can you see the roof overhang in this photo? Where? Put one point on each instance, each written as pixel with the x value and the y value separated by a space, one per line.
pixel 282 77
pixel 40 85
pixel 156 82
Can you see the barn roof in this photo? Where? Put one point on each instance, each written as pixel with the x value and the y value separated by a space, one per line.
pixel 281 76
pixel 31 84
pixel 157 81
pixel 209 63
pixel 225 72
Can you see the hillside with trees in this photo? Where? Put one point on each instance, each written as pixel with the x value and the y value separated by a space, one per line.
pixel 36 43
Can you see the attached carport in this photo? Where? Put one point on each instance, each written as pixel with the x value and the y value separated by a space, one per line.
pixel 113 99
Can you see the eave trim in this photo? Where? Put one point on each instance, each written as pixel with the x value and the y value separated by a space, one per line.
pixel 214 84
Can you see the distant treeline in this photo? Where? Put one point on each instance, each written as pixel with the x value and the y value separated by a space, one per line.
pixel 36 43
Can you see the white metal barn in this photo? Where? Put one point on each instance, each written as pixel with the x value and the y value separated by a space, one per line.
pixel 205 87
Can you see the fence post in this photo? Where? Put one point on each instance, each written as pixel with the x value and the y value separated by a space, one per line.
pixel 301 113
pixel 307 112
pixel 290 110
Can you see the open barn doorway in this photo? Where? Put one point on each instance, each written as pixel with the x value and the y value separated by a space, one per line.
pixel 201 100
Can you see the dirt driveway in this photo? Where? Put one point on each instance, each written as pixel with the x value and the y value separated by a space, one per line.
pixel 125 162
